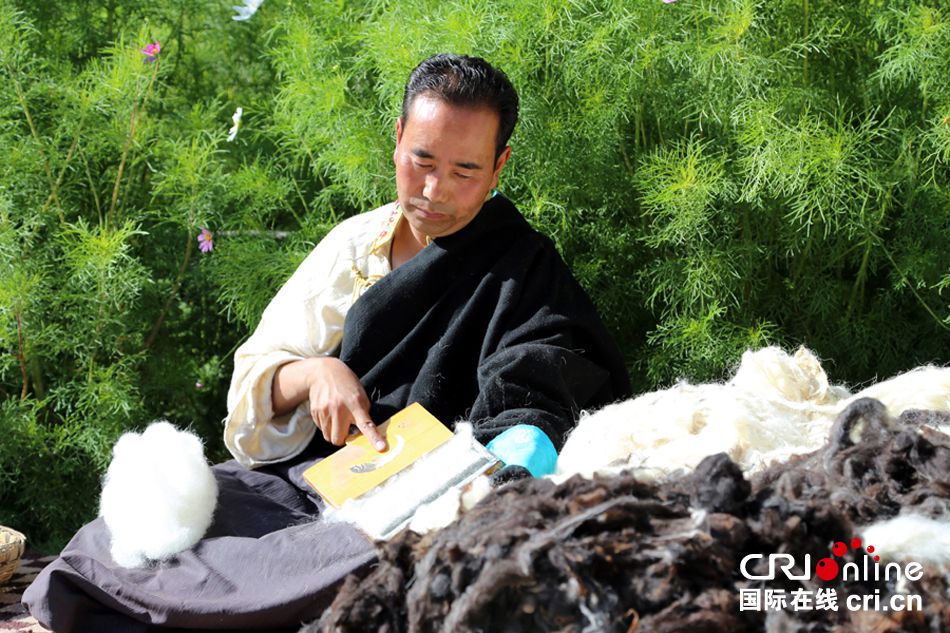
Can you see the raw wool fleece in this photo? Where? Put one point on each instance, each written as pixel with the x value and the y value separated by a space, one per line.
pixel 775 406
pixel 445 509
pixel 159 494
pixel 911 537
pixel 430 493
pixel 617 553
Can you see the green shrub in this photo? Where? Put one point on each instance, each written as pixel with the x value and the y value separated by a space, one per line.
pixel 720 174
pixel 49 474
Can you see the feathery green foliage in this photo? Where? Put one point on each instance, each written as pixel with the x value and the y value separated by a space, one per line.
pixel 720 174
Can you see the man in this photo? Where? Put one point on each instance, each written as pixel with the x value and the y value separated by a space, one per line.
pixel 486 325
pixel 446 297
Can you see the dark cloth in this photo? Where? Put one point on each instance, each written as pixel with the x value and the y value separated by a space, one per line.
pixel 487 325
pixel 267 563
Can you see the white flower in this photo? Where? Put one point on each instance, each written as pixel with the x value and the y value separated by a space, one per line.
pixel 245 12
pixel 236 117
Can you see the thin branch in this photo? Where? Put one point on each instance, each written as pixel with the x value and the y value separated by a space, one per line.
pixel 189 247
pixel 21 96
pixel 277 235
pixel 62 172
pixel 92 186
pixel 805 38
pixel 626 159
pixel 125 155
pixel 21 357
pixel 920 299
pixel 290 208
pixel 128 146
pixel 859 281
pixel 29 119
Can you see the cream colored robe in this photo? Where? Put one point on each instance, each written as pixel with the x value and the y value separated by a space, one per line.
pixel 304 319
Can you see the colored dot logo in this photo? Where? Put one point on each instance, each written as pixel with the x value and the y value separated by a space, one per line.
pixel 827 568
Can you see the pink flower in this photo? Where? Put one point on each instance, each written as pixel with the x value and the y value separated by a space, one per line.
pixel 199 385
pixel 205 241
pixel 151 51
pixel 668 1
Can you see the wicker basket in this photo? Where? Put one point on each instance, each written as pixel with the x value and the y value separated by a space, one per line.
pixel 11 549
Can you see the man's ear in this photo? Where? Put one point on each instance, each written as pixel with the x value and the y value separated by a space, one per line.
pixel 398 138
pixel 499 163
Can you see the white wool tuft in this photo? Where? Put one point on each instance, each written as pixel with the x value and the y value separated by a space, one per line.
pixel 427 495
pixel 922 388
pixel 776 406
pixel 911 537
pixel 475 492
pixel 774 375
pixel 159 494
pixel 435 515
pixel 456 501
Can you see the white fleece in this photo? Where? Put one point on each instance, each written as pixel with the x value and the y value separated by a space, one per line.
pixel 430 489
pixel 159 494
pixel 776 406
pixel 911 537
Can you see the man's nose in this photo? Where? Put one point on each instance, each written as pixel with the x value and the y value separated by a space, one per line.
pixel 435 188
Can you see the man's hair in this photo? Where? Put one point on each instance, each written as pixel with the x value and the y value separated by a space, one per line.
pixel 461 80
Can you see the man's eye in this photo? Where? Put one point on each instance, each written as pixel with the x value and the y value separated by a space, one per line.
pixel 462 176
pixel 422 165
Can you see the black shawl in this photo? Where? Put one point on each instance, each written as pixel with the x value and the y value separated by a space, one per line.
pixel 486 325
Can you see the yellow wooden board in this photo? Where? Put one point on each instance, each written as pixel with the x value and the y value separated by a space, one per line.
pixel 358 467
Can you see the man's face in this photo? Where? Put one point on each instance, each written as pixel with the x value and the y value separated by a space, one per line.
pixel 445 164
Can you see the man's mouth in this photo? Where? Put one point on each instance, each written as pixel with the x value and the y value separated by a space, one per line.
pixel 428 214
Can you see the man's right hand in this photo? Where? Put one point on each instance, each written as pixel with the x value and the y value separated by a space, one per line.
pixel 337 399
